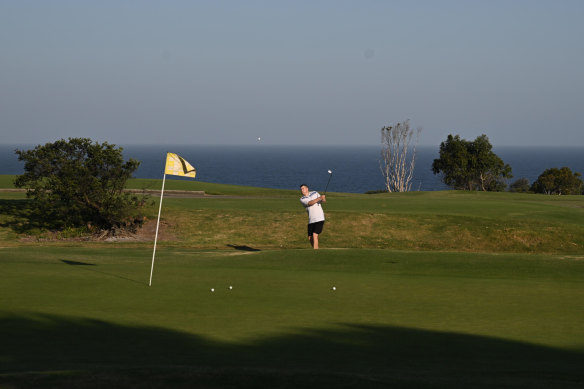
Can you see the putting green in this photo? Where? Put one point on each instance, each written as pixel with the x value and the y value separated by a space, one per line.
pixel 415 318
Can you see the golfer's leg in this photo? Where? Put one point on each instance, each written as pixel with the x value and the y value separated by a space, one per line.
pixel 315 241
pixel 311 241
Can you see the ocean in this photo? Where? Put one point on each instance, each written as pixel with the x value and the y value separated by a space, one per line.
pixel 355 168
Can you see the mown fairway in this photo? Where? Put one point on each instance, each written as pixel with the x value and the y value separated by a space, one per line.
pixel 416 312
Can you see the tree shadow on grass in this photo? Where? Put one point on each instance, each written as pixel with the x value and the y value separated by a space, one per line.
pixel 22 217
pixel 100 354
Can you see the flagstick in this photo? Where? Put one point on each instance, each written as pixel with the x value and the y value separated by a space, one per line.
pixel 157 224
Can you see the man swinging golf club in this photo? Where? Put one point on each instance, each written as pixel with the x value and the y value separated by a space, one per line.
pixel 311 201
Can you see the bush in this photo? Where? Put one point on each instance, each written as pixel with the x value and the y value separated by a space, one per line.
pixel 520 185
pixel 79 183
pixel 471 165
pixel 558 181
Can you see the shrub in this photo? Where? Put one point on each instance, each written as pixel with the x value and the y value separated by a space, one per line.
pixel 78 183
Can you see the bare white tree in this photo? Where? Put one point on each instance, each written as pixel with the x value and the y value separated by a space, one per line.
pixel 397 165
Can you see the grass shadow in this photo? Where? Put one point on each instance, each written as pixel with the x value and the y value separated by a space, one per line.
pixel 22 217
pixel 242 248
pixel 99 354
pixel 92 269
pixel 77 263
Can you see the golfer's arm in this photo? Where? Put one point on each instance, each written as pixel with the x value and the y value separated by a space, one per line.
pixel 316 200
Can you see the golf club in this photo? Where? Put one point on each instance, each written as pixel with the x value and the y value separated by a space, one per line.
pixel 329 180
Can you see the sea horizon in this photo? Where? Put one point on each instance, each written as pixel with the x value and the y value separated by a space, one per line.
pixel 355 168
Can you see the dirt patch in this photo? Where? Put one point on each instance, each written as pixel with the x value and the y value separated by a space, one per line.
pixel 144 234
pixel 148 231
pixel 573 257
pixel 228 253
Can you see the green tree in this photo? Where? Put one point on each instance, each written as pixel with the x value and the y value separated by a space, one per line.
pixel 521 185
pixel 79 182
pixel 558 181
pixel 471 165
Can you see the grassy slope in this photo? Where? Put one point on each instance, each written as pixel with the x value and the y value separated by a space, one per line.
pixel 433 317
pixel 451 221
pixel 208 187
pixel 7 182
pixel 491 222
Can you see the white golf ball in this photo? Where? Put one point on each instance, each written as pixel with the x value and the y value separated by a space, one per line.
pixel 212 289
pixel 334 288
pixel 330 172
pixel 230 287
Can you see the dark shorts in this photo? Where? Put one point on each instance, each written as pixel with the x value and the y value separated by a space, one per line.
pixel 315 228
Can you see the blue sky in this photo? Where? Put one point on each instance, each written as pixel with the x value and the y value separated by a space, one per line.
pixel 291 72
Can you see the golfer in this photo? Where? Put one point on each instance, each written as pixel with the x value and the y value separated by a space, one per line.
pixel 311 201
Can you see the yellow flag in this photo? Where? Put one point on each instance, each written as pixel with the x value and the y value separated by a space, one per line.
pixel 178 166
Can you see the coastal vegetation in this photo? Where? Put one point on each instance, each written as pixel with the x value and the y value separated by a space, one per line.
pixel 397 165
pixel 471 165
pixel 80 183
pixel 560 181
pixel 520 185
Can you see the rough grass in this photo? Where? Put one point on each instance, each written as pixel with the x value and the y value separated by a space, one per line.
pixel 7 181
pixel 264 218
pixel 451 221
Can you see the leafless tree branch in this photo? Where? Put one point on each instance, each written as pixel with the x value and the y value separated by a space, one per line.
pixel 396 165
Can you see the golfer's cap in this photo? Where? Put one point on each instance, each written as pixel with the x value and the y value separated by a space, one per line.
pixel 301 185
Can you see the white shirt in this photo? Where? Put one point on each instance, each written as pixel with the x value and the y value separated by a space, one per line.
pixel 315 212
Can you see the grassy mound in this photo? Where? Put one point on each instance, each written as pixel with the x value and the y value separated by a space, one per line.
pixel 269 219
pixel 432 289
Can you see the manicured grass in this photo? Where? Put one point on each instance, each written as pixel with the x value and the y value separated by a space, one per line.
pixel 398 319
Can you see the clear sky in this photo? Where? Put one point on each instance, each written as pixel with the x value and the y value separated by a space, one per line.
pixel 291 72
